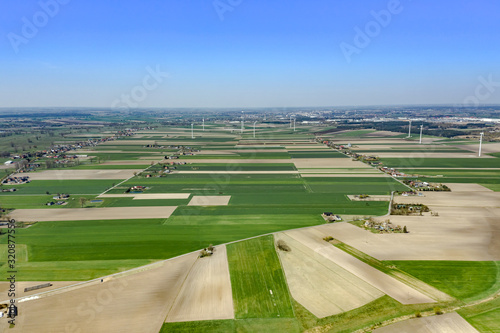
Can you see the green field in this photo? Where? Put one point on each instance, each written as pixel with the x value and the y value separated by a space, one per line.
pixel 464 280
pixel 289 325
pixel 485 317
pixel 61 249
pixel 61 186
pixel 257 280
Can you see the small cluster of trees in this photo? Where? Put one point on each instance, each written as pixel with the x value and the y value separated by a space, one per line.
pixel 283 246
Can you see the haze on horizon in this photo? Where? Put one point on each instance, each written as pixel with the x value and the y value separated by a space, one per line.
pixel 228 53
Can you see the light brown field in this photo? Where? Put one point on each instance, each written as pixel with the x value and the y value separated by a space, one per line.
pixel 371 198
pixel 320 285
pixel 340 170
pixel 235 160
pixel 446 323
pixel 146 196
pixel 238 172
pixel 131 162
pixel 20 285
pixel 208 200
pixel 344 175
pixel 467 228
pixel 429 155
pixel 313 238
pixel 86 214
pixel 80 174
pixel 487 148
pixel 304 163
pixel 206 293
pixel 134 303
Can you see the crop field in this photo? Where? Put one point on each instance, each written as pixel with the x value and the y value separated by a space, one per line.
pixel 258 282
pixel 460 279
pixel 71 187
pixel 484 317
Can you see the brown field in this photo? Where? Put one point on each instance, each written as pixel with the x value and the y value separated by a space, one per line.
pixel 305 163
pixel 20 285
pixel 429 155
pixel 467 228
pixel 86 214
pixel 236 161
pixel 134 303
pixel 446 323
pixel 238 172
pixel 371 198
pixel 487 148
pixel 344 175
pixel 80 174
pixel 341 170
pixel 321 286
pixel 131 162
pixel 313 238
pixel 206 293
pixel 208 200
pixel 146 196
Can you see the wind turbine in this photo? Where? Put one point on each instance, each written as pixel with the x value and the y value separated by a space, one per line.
pixel 192 131
pixel 421 127
pixel 480 143
pixel 203 124
pixel 294 119
pixel 242 121
pixel 409 129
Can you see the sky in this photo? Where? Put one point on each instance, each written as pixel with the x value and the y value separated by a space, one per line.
pixel 248 53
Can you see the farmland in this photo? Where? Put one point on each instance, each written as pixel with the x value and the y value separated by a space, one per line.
pixel 258 282
pixel 231 188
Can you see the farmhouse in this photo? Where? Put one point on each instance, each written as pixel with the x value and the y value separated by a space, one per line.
pixel 329 216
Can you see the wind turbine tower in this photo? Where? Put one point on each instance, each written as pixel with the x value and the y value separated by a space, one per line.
pixel 409 130
pixel 480 143
pixel 192 131
pixel 421 127
pixel 294 119
pixel 254 129
pixel 203 122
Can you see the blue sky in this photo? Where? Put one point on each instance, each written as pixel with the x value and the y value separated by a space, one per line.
pixel 248 53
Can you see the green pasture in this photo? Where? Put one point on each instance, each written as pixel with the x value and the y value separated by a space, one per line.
pixel 464 280
pixel 40 187
pixel 257 280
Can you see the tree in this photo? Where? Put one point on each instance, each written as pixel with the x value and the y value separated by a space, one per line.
pixel 83 201
pixel 404 230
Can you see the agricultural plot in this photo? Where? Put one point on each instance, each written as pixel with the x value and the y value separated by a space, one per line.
pixel 320 285
pixel 207 200
pixel 74 187
pixel 417 163
pixel 257 280
pixel 89 214
pixel 80 174
pixel 90 307
pixel 313 239
pixel 447 323
pixel 206 292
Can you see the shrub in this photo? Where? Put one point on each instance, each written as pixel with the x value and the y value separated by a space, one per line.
pixel 328 238
pixel 283 246
pixel 418 314
pixel 438 311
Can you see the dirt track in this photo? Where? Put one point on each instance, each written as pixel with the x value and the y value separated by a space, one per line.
pixel 86 214
pixel 206 293
pixel 447 323
pixel 321 286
